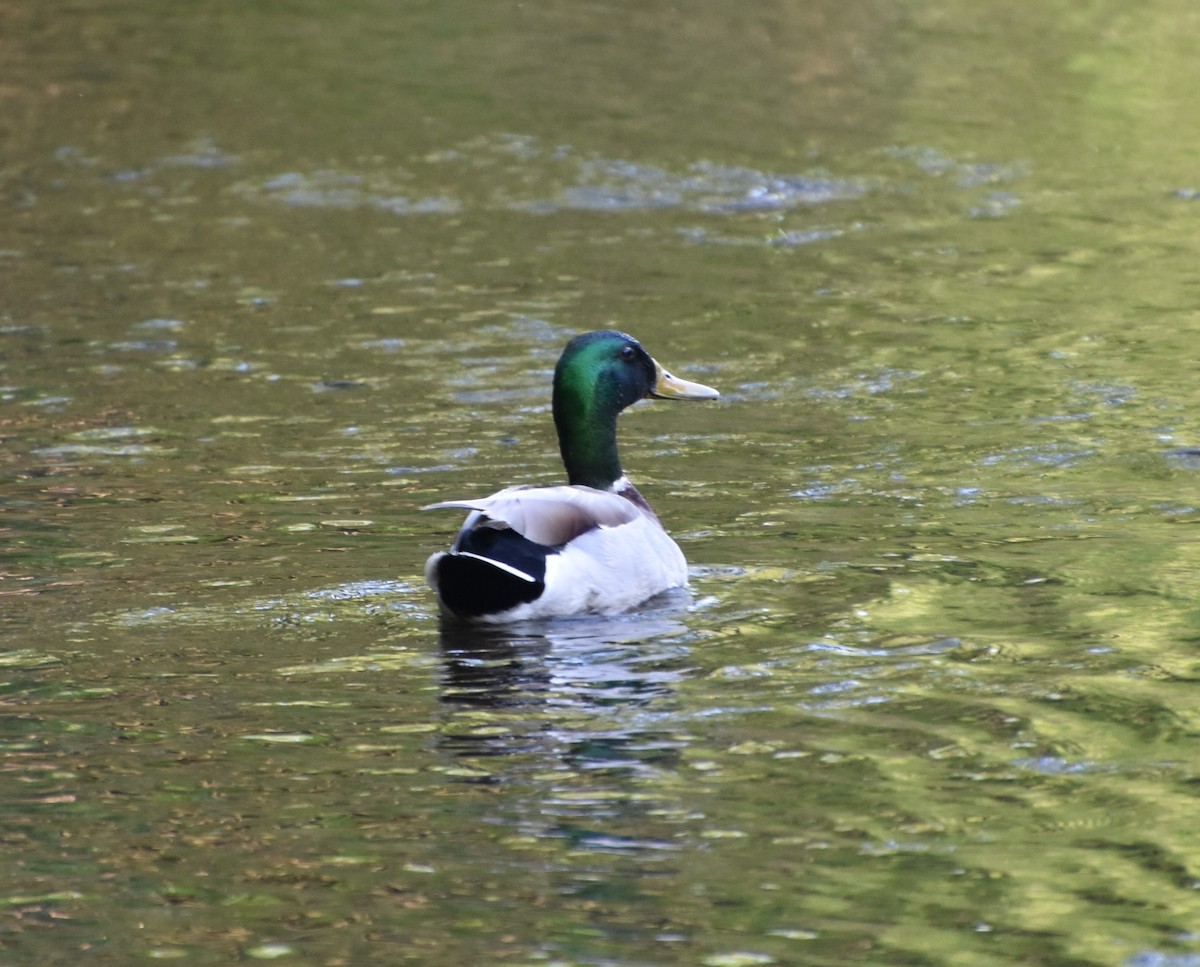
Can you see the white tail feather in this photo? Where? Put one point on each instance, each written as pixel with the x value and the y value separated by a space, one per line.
pixel 514 571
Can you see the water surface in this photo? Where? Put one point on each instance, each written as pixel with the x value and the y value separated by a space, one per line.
pixel 274 278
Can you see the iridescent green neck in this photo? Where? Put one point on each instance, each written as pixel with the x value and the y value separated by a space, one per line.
pixel 586 419
pixel 597 376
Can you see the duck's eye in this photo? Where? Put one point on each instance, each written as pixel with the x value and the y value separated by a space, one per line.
pixel 627 352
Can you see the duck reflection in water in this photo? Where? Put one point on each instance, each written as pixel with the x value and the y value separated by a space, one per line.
pixel 588 688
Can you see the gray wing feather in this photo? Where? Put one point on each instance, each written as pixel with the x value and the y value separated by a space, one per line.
pixel 550 515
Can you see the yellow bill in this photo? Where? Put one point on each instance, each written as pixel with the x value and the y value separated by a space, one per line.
pixel 668 387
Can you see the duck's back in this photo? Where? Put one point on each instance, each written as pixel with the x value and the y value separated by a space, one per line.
pixel 597 553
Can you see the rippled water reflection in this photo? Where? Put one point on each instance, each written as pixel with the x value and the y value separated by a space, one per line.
pixel 276 279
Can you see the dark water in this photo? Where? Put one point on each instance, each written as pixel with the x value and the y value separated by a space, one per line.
pixel 274 276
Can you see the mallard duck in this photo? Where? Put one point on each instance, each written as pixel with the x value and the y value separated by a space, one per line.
pixel 593 546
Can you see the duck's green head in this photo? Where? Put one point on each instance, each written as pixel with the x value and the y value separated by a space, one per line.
pixel 597 376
